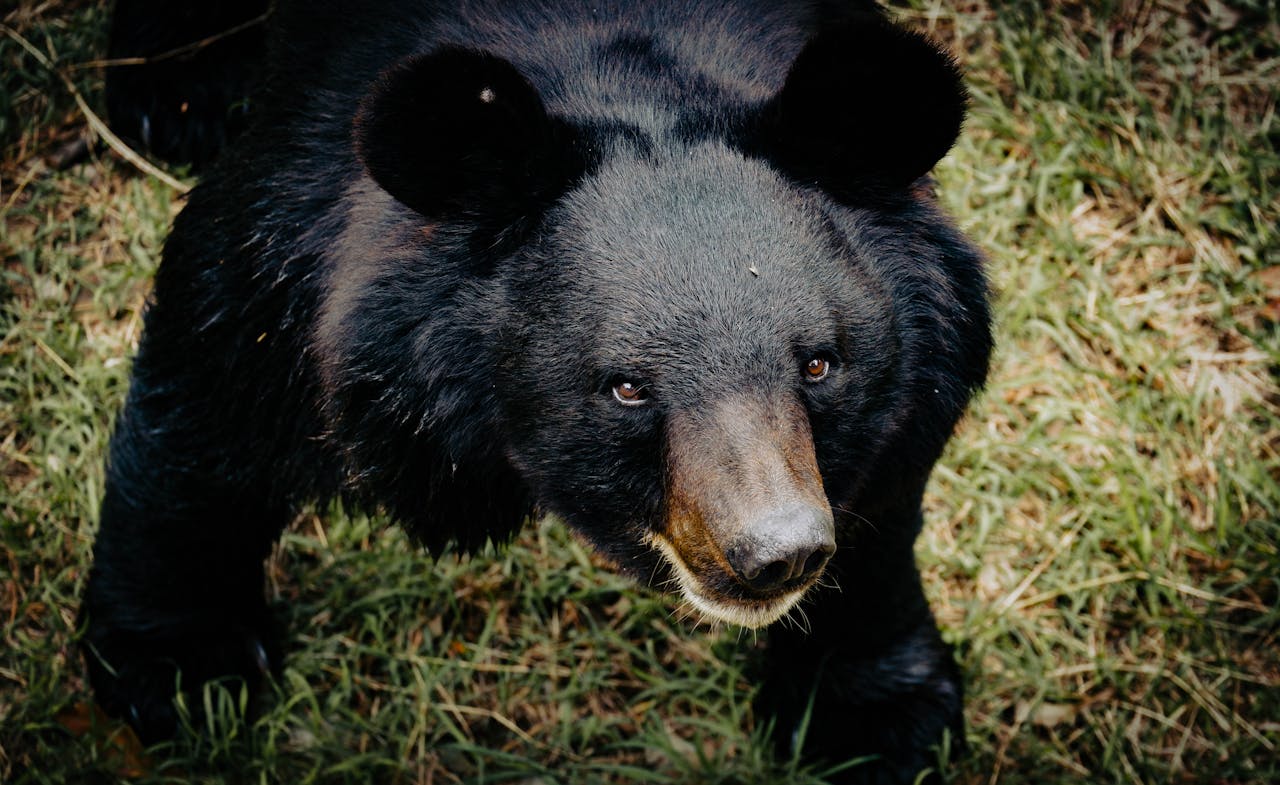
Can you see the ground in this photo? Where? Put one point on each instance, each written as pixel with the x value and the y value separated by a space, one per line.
pixel 1101 537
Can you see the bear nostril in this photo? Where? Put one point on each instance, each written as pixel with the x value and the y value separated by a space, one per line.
pixel 773 574
pixel 776 573
pixel 817 560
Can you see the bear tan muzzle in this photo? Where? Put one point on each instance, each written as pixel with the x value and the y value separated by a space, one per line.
pixel 747 528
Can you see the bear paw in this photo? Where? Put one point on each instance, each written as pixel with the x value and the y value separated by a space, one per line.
pixel 137 676
pixel 892 719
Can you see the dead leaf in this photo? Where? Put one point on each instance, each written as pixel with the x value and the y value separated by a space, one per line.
pixel 1269 277
pixel 116 742
pixel 1051 715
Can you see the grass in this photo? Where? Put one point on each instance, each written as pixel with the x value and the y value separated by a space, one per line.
pixel 1101 539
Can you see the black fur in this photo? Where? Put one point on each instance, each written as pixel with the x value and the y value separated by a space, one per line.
pixel 396 291
pixel 189 95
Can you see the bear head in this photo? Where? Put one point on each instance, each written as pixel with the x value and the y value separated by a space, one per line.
pixel 695 346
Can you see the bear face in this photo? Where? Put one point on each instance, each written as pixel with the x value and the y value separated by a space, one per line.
pixel 710 343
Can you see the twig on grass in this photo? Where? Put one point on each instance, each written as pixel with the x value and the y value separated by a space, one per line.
pixel 180 51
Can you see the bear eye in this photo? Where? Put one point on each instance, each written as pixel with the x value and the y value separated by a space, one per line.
pixel 817 368
pixel 630 393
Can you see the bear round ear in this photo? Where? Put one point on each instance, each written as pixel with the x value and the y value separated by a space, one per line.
pixel 864 103
pixel 460 131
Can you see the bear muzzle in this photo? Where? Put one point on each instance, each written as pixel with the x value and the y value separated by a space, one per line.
pixel 747 528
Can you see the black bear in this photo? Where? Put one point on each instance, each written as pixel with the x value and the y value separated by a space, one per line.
pixel 671 271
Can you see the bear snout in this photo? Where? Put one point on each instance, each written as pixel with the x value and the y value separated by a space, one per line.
pixel 748 528
pixel 783 546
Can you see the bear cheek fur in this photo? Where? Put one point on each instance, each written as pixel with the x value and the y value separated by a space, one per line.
pixel 404 347
pixel 586 462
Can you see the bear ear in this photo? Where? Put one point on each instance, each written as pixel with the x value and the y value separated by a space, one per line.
pixel 462 132
pixel 864 103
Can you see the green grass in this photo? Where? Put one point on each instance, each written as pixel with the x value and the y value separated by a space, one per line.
pixel 1101 539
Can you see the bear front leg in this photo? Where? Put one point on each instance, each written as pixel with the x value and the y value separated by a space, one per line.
pixel 176 588
pixel 871 672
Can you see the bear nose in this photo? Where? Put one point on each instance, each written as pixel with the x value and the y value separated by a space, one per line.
pixel 783 545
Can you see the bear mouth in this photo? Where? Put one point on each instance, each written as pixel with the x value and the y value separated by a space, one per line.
pixel 750 612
